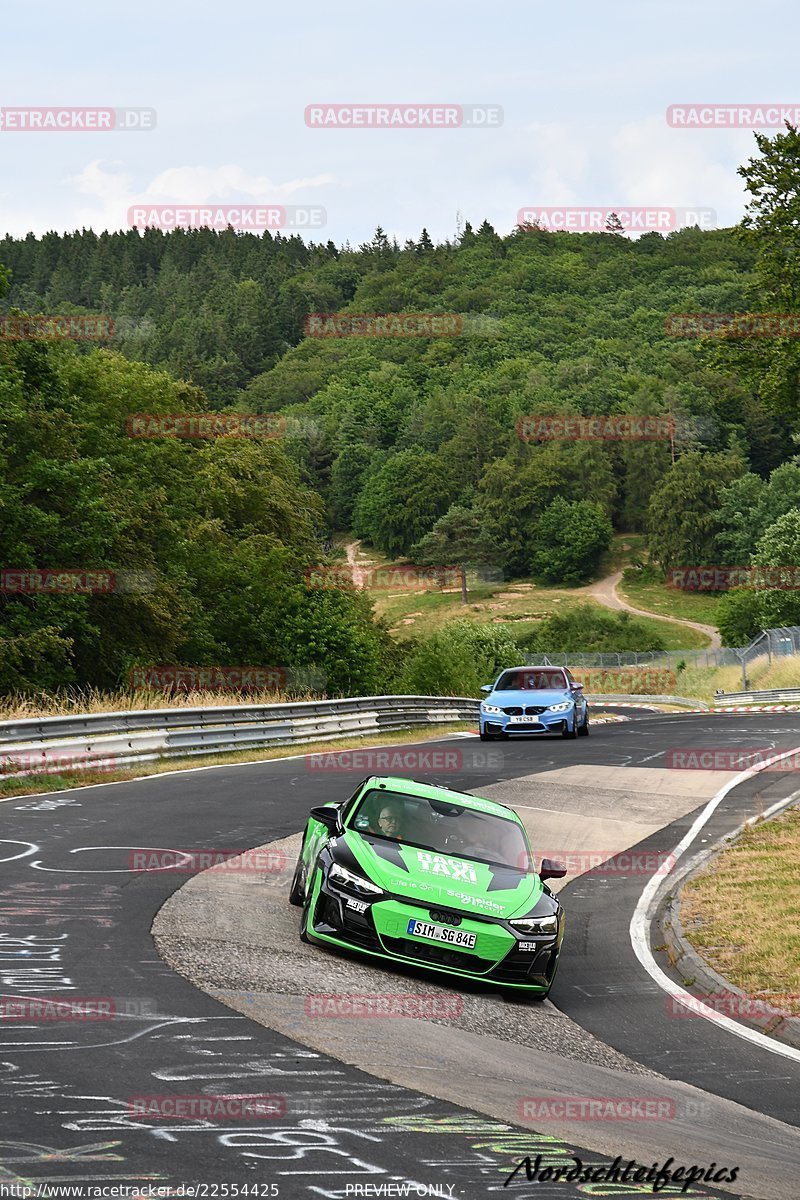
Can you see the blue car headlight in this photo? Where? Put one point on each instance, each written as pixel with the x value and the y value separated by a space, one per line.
pixel 490 708
pixel 563 707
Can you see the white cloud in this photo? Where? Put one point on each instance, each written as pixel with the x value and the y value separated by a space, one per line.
pixel 112 190
pixel 654 164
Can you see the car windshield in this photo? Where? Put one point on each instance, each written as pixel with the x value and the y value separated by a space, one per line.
pixel 442 826
pixel 538 679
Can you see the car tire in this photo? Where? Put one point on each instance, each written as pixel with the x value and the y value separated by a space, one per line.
pixel 304 918
pixel 569 733
pixel 487 737
pixel 297 893
pixel 583 730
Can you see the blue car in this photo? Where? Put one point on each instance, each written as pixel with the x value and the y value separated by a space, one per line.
pixel 534 700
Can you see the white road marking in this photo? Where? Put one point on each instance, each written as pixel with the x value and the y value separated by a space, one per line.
pixel 115 870
pixel 32 848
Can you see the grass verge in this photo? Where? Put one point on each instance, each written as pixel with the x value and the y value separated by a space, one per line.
pixel 670 602
pixel 743 913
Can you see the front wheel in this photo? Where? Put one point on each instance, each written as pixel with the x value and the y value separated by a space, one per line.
pixel 297 892
pixel 570 733
pixel 487 737
pixel 305 916
pixel 583 730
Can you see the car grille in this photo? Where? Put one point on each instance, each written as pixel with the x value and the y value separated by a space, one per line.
pixel 530 710
pixel 441 956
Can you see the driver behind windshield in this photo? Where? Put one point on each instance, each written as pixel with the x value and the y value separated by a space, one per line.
pixel 389 821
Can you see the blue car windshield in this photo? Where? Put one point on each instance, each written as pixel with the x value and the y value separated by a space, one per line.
pixel 537 680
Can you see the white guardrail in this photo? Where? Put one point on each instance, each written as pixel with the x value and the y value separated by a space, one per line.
pixel 42 745
pixel 768 696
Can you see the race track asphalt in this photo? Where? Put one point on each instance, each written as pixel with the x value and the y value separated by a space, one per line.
pixel 75 919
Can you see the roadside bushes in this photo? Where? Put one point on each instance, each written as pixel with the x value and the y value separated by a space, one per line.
pixel 590 629
pixel 457 659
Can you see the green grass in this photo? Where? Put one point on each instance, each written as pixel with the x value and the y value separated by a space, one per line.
pixel 520 605
pixel 624 548
pixel 671 602
pixel 675 637
pixel 756 946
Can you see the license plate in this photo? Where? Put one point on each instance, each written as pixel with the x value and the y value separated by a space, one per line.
pixel 524 720
pixel 439 933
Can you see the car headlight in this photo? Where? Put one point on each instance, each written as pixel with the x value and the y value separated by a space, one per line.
pixel 536 924
pixel 349 879
pixel 560 707
pixel 490 708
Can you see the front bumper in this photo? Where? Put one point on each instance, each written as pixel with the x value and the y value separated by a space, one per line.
pixel 381 930
pixel 543 722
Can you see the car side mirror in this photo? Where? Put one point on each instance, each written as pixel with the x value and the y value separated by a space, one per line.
pixel 486 687
pixel 551 870
pixel 577 687
pixel 329 817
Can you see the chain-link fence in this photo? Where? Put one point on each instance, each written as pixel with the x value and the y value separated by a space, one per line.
pixel 770 643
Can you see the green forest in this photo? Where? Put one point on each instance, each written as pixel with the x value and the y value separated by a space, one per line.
pixel 411 444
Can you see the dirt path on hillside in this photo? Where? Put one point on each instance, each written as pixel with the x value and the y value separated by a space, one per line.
pixel 358 571
pixel 605 592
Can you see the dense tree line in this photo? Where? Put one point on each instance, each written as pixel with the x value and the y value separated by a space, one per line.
pixel 417 445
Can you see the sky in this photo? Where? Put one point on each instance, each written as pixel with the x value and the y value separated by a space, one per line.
pixel 583 86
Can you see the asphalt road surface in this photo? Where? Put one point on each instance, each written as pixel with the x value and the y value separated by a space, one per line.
pixel 75 918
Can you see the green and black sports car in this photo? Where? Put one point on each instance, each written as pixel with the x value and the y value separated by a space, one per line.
pixel 420 874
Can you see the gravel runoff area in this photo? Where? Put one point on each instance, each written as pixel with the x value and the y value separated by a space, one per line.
pixel 233 934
